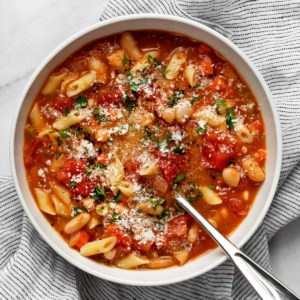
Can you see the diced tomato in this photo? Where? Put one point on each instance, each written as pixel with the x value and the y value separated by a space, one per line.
pixel 218 151
pixel 107 96
pixel 218 84
pixel 207 66
pixel 123 240
pixel 256 127
pixel 142 246
pixel 204 49
pixel 178 226
pixel 261 154
pixel 102 158
pixel 61 103
pixel 83 239
pixel 30 152
pixel 73 165
pixel 239 207
pixel 180 160
pixel 168 169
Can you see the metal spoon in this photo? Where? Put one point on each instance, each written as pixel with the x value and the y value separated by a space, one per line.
pixel 266 285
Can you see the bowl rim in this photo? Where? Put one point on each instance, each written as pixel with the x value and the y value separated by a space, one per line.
pixel 148 16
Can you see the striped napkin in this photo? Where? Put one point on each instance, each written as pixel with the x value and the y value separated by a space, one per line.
pixel 269 34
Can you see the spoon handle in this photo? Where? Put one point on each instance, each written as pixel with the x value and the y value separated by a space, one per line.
pixel 266 285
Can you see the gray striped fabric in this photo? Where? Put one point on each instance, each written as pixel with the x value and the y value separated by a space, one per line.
pixel 268 32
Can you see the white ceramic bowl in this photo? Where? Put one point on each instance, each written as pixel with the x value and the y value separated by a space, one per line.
pixel 247 70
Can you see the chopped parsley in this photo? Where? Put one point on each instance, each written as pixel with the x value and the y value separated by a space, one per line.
pixel 67 111
pixel 72 183
pixel 156 62
pixel 169 137
pixel 59 142
pixel 100 117
pixel 134 86
pixel 58 155
pixel 194 99
pixel 196 86
pixel 123 99
pixel 201 129
pixel 211 186
pixel 99 194
pixel 111 87
pixel 219 103
pixel 128 73
pixel 125 60
pixel 230 118
pixel 118 197
pixel 115 217
pixel 76 211
pixel 64 133
pixel 150 135
pixel 179 150
pixel 175 97
pixel 99 166
pixel 131 106
pixel 196 197
pixel 80 102
pixel 163 215
pixel 78 131
pixel 179 178
pixel 88 171
pixel 154 203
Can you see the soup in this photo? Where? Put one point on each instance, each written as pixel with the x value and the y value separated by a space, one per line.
pixel 126 121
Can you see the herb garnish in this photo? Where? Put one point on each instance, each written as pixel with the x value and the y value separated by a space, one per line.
pixel 179 178
pixel 72 183
pixel 125 60
pixel 175 97
pixel 211 186
pixel 201 129
pixel 67 111
pixel 64 133
pixel 80 102
pixel 154 203
pixel 179 150
pixel 99 194
pixel 219 103
pixel 156 62
pixel 150 135
pixel 230 118
pixel 118 197
pixel 194 99
pixel 115 217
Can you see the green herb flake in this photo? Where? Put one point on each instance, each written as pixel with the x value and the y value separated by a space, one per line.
pixel 219 103
pixel 80 102
pixel 125 60
pixel 88 171
pixel 96 111
pixel 194 99
pixel 123 99
pixel 115 217
pixel 172 101
pixel 118 197
pixel 111 87
pixel 169 137
pixel 230 118
pixel 155 61
pixel 128 73
pixel 196 86
pixel 58 155
pixel 150 135
pixel 131 106
pixel 163 216
pixel 99 166
pixel 99 194
pixel 201 129
pixel 67 111
pixel 193 198
pixel 64 133
pixel 76 211
pixel 211 186
pixel 154 203
pixel 78 131
pixel 179 150
pixel 179 178
pixel 72 183
pixel 134 86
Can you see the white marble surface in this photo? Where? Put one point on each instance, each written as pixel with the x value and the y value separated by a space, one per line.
pixel 31 29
